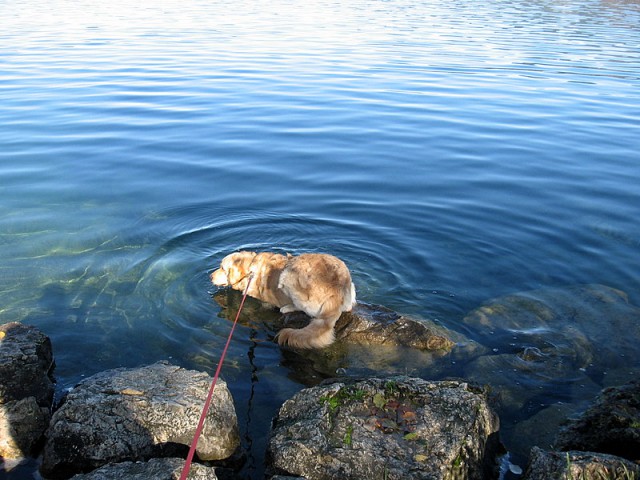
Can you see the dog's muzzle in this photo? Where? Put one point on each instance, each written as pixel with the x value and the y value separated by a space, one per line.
pixel 219 278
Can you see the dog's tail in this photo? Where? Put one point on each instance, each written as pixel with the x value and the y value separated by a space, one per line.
pixel 349 299
pixel 318 334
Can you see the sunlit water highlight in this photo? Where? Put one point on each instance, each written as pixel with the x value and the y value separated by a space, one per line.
pixel 449 152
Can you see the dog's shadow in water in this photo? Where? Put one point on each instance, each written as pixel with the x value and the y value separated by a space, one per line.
pixel 308 367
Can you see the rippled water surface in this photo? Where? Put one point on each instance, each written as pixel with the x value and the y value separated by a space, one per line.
pixel 449 152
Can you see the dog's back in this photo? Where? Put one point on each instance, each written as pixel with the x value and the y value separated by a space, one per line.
pixel 268 267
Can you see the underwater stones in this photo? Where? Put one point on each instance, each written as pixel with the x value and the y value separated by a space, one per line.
pixel 156 468
pixel 568 341
pixel 539 429
pixel 392 428
pixel 584 326
pixel 610 425
pixel 138 414
pixel 26 388
pixel 545 465
pixel 569 337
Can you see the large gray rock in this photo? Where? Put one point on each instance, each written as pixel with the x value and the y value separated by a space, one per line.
pixel 138 414
pixel 611 425
pixel 156 469
pixel 544 465
pixel 393 428
pixel 26 388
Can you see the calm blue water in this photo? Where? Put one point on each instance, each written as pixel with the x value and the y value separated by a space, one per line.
pixel 449 152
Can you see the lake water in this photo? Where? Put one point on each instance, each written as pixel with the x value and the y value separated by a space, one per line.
pixel 448 151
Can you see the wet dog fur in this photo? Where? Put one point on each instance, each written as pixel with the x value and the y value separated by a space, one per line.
pixel 317 284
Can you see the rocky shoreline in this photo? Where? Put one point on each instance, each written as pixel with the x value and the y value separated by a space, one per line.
pixel 138 423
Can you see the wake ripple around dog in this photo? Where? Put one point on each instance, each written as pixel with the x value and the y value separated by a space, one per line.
pixel 173 276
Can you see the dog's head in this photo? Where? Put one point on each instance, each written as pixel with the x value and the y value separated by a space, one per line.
pixel 234 270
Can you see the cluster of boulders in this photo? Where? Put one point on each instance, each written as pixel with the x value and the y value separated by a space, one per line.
pixel 123 415
pixel 139 423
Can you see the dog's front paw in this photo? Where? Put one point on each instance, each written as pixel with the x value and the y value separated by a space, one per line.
pixel 284 336
pixel 315 335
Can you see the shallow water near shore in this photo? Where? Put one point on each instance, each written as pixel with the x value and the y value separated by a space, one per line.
pixel 448 152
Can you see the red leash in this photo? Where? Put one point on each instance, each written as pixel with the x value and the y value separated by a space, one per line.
pixel 207 403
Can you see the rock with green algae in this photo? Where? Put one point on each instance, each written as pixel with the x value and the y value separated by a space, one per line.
pixel 552 465
pixel 26 388
pixel 393 428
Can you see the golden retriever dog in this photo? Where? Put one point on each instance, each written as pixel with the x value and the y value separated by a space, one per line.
pixel 314 283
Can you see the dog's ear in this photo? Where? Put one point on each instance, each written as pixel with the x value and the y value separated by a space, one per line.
pixel 289 256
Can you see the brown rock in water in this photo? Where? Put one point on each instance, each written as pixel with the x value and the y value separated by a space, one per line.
pixel 26 388
pixel 364 325
pixel 393 428
pixel 138 414
pixel 376 325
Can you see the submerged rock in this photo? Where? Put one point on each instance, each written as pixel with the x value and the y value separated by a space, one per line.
pixel 545 465
pixel 553 345
pixel 539 429
pixel 555 337
pixel 26 388
pixel 156 469
pixel 580 326
pixel 392 428
pixel 138 414
pixel 364 325
pixel 611 425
